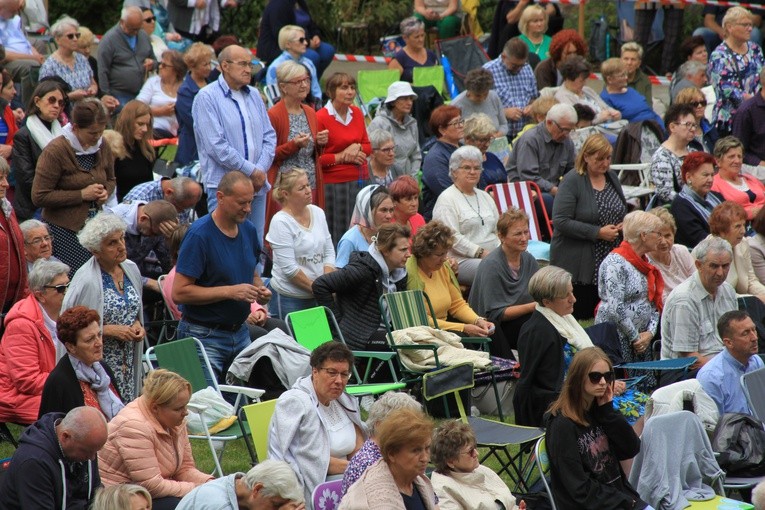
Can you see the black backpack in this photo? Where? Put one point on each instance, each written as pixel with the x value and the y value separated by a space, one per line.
pixel 740 441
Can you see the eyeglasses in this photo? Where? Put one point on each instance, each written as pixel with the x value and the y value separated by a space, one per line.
pixel 332 373
pixel 386 150
pixel 689 125
pixel 52 101
pixel 595 377
pixel 471 168
pixel 72 36
pixel 457 123
pixel 61 289
pixel 471 450
pixel 163 65
pixel 149 20
pixel 745 25
pixel 242 63
pixel 483 141
pixel 564 129
pixel 300 81
pixel 699 104
pixel 302 40
pixel 37 241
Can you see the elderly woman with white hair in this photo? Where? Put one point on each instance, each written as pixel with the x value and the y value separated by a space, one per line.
pixel 369 453
pixel 67 63
pixel 479 132
pixel 111 284
pixel 734 67
pixel 631 289
pixel 469 211
pixel 294 44
pixel 383 169
pixel 395 116
pixel 28 350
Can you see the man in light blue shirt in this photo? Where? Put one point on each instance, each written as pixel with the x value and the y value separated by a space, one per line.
pixel 721 376
pixel 20 56
pixel 233 132
pixel 294 44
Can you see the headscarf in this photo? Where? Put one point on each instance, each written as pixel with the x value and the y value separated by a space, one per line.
pixel 363 213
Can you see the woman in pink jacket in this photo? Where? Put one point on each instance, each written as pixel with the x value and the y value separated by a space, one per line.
pixel 148 444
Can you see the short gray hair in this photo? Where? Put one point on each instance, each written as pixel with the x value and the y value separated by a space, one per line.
pixel 550 282
pixel 45 271
pixel 127 11
pixel 410 25
pixel 639 222
pixel 632 46
pixel 378 137
pixel 28 225
pixel 691 68
pixel 57 29
pixel 180 185
pixel 389 402
pixel 98 228
pixel 560 112
pixel 709 245
pixel 464 153
pixel 278 480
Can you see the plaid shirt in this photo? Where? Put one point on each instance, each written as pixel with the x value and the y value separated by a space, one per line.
pixel 514 90
pixel 150 191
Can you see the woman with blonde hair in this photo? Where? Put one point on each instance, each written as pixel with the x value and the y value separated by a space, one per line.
pixel 479 132
pixel 148 444
pixel 589 438
pixel 198 60
pixel 160 92
pixel 533 28
pixel 122 497
pixel 673 260
pixel 136 167
pixel 301 243
pixel 587 216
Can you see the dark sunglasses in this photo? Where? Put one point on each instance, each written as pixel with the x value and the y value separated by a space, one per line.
pixel 149 20
pixel 75 35
pixel 699 103
pixel 302 40
pixel 61 289
pixel 595 377
pixel 52 100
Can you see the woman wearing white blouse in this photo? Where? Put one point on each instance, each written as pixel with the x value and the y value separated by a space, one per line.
pixel 301 243
pixel 469 211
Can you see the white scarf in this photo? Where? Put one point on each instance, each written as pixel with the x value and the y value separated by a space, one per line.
pixel 99 381
pixel 41 135
pixel 568 327
pixel 68 133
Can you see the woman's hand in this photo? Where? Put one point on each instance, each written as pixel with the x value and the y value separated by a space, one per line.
pixel 301 140
pixel 608 233
pixel 257 318
pixel 164 110
pixel 476 330
pixel 643 342
pixel 322 137
pixel 173 36
pixel 19 114
pixel 607 397
pixel 78 94
pixel 94 193
pixel 124 333
pixel 619 387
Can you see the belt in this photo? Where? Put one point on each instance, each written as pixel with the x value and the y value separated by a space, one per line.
pixel 214 325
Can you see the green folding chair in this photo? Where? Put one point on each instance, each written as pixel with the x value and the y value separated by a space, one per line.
pixel 258 417
pixel 430 75
pixel 412 308
pixel 314 326
pixel 542 462
pixel 187 358
pixel 499 438
pixel 372 87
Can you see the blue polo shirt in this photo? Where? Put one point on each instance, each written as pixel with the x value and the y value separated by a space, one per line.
pixel 721 379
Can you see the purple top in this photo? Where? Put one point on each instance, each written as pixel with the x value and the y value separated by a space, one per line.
pixel 368 454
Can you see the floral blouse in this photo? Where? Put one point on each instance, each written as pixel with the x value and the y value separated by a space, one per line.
pixel 732 76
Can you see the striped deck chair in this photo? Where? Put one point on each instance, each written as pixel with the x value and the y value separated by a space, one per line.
pixel 518 194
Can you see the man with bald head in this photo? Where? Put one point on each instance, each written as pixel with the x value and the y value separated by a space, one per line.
pixel 233 132
pixel 125 56
pixel 55 465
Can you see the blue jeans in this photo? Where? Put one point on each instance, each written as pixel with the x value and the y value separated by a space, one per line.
pixel 281 305
pixel 321 57
pixel 257 214
pixel 221 346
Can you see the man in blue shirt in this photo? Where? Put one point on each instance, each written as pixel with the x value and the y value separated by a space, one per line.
pixel 515 84
pixel 233 132
pixel 216 280
pixel 720 376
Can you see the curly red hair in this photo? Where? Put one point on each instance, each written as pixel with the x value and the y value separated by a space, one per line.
pixel 563 39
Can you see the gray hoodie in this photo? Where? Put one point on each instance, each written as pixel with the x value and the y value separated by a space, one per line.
pixel 405 136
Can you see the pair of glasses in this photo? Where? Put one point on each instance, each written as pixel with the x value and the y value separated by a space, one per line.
pixel 332 373
pixel 471 450
pixel 302 40
pixel 163 65
pixel 699 104
pixel 149 20
pixel 471 169
pixel 300 81
pixel 52 101
pixel 483 141
pixel 386 150
pixel 61 289
pixel 72 36
pixel 37 241
pixel 595 377
pixel 565 130
pixel 689 125
pixel 243 63
pixel 457 123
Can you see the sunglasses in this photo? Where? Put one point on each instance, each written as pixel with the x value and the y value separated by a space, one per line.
pixel 53 101
pixel 149 20
pixel 75 35
pixel 595 377
pixel 302 40
pixel 61 289
pixel 698 104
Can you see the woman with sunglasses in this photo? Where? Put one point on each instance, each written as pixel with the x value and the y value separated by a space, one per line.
pixel 294 45
pixel 587 440
pixel 706 134
pixel 67 63
pixel 28 349
pixel 160 92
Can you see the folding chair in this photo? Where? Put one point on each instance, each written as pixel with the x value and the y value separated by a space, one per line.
pixel 258 417
pixel 498 437
pixel 313 327
pixel 187 358
pixel 327 495
pixel 542 461
pixel 753 385
pixel 373 85
pixel 518 194
pixel 406 309
pixel 430 75
pixel 644 186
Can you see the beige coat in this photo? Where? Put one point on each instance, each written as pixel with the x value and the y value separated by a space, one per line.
pixel 478 490
pixel 377 489
pixel 139 450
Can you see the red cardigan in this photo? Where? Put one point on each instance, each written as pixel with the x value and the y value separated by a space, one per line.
pixel 340 137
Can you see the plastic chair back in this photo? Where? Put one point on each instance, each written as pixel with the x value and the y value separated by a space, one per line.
pixel 310 327
pixel 429 75
pixel 259 419
pixel 183 358
pixel 753 385
pixel 326 495
pixel 374 84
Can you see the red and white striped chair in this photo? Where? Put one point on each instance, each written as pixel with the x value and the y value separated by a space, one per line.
pixel 518 194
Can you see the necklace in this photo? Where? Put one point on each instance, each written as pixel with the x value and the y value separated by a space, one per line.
pixel 474 209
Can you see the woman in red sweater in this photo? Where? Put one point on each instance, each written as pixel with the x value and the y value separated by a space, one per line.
pixel 344 159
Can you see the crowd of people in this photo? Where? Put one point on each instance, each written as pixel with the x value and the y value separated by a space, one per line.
pixel 309 203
